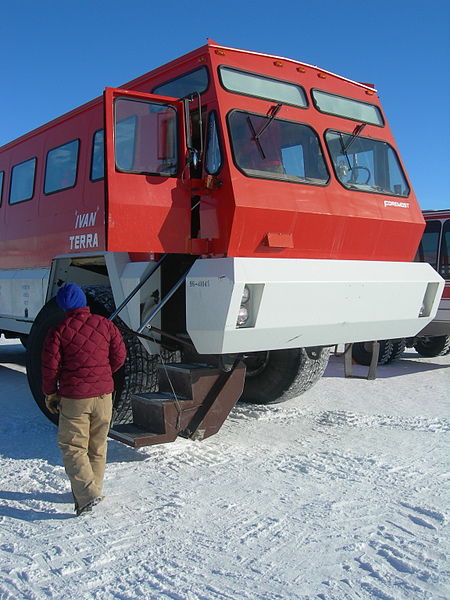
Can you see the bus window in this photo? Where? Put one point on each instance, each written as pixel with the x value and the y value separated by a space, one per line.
pixel 22 181
pixel 365 164
pixel 61 167
pixel 429 244
pixel 2 175
pixel 363 112
pixel 98 156
pixel 125 143
pixel 271 148
pixel 213 160
pixel 444 263
pixel 261 86
pixel 195 81
pixel 145 137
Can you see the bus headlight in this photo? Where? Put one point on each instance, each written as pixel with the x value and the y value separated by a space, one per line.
pixel 242 316
pixel 249 307
pixel 245 295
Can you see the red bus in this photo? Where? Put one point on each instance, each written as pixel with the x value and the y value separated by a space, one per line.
pixel 236 208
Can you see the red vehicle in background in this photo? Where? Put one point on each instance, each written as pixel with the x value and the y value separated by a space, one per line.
pixel 434 248
pixel 434 339
pixel 239 211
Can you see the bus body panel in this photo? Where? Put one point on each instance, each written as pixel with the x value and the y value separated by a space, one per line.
pixel 239 215
pixel 72 220
pixel 301 302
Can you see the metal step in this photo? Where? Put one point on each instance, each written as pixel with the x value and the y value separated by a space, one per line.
pixel 134 436
pixel 187 380
pixel 161 413
pixel 204 396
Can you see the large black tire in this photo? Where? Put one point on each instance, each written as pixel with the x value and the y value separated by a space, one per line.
pixel 137 375
pixel 49 316
pixel 433 346
pixel 362 352
pixel 398 347
pixel 279 375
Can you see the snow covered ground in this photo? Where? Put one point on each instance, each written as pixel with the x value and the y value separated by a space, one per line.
pixel 340 494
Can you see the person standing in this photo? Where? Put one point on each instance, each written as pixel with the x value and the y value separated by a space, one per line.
pixel 79 356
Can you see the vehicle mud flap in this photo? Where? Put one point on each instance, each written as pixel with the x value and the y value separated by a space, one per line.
pixel 348 362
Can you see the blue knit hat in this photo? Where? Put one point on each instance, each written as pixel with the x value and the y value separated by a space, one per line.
pixel 70 296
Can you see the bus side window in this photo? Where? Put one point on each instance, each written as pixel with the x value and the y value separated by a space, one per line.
pixel 213 162
pixel 22 181
pixel 98 156
pixel 429 244
pixel 61 167
pixel 444 264
pixel 2 176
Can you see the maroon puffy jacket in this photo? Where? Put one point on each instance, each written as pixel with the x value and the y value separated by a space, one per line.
pixel 80 355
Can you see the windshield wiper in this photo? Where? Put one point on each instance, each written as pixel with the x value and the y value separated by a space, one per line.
pixel 346 146
pixel 344 149
pixel 353 137
pixel 255 137
pixel 273 113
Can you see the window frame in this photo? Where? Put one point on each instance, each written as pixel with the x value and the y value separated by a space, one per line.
pixel 35 160
pixel 324 112
pixel 278 80
pixel 68 187
pixel 208 79
pixel 376 192
pixel 274 177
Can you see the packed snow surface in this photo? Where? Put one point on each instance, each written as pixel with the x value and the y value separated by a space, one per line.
pixel 342 493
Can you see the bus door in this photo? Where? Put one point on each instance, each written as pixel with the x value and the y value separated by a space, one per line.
pixel 148 201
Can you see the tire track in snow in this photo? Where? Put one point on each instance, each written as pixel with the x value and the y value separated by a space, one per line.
pixel 398 558
pixel 340 418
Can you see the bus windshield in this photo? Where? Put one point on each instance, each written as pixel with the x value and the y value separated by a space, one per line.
pixel 365 164
pixel 270 148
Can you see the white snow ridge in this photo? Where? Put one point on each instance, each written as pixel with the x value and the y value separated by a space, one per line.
pixel 342 493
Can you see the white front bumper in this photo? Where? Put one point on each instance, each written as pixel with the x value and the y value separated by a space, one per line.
pixel 302 302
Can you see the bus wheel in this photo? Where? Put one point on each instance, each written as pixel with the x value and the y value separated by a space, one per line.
pixel 398 347
pixel 362 352
pixel 433 346
pixel 49 316
pixel 275 376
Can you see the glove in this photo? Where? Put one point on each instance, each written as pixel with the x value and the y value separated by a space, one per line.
pixel 52 403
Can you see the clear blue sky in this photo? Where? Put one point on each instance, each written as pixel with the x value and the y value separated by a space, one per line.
pixel 58 54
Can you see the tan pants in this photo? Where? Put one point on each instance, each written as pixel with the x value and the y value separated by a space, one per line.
pixel 82 438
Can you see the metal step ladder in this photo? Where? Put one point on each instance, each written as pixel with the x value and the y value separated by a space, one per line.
pixel 193 401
